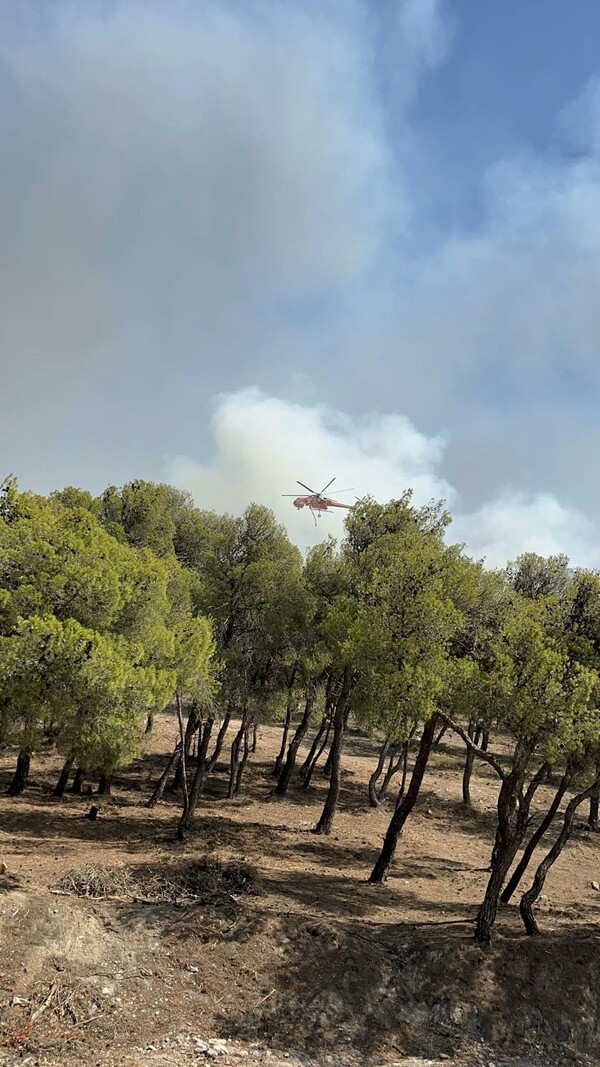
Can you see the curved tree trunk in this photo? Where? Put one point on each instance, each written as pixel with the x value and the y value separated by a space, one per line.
pixel 393 768
pixel 373 780
pixel 288 768
pixel 306 766
pixel 404 809
pixel 529 898
pixel 63 780
pixel 534 840
pixel 513 815
pixel 340 718
pixel 21 774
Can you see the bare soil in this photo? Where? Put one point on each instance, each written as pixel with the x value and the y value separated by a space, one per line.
pixel 257 941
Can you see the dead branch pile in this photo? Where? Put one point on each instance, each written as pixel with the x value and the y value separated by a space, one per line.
pixel 207 882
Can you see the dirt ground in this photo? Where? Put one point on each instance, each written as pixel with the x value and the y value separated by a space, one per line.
pixel 302 961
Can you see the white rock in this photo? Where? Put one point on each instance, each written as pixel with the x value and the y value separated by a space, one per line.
pixel 595 885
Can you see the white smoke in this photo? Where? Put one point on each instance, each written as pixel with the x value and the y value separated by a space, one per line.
pixel 264 444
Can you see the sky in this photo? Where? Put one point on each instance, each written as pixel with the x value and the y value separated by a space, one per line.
pixel 246 242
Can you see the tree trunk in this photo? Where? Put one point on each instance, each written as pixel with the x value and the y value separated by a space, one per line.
pixel 149 724
pixel 289 711
pixel 306 780
pixel 306 766
pixel 193 722
pixel 288 768
pixel 105 784
pixel 592 823
pixel 223 728
pixel 393 768
pixel 325 823
pixel 373 780
pixel 469 760
pixel 63 781
pixel 203 768
pixel 404 772
pixel 21 774
pixel 440 736
pixel 529 898
pixel 183 764
pixel 77 785
pixel 243 761
pixel 513 815
pixel 404 809
pixel 235 755
pixel 535 839
pixel 254 736
pixel 159 788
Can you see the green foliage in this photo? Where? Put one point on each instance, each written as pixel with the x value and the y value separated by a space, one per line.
pixel 96 635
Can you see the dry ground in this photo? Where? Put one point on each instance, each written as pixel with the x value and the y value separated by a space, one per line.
pixel 311 961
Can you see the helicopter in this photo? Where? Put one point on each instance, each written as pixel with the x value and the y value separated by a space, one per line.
pixel 316 502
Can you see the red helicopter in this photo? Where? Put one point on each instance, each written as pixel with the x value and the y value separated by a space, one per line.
pixel 316 502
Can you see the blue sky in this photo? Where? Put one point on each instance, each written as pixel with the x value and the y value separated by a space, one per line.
pixel 245 243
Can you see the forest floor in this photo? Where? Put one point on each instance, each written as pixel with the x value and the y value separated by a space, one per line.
pixel 256 941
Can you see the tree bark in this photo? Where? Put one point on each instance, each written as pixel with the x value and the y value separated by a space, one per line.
pixel 242 763
pixel 149 724
pixel 162 781
pixel 254 736
pixel 404 809
pixel 203 768
pixel 469 760
pixel 192 725
pixel 592 823
pixel 373 780
pixel 21 774
pixel 404 773
pixel 289 711
pixel 287 770
pixel 529 898
pixel 513 815
pixel 63 780
pixel 535 839
pixel 325 823
pixel 183 764
pixel 234 756
pixel 77 785
pixel 393 768
pixel 440 736
pixel 306 766
pixel 105 784
pixel 307 777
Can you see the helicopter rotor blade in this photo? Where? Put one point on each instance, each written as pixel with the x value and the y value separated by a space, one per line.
pixel 327 486
pixel 311 491
pixel 289 494
pixel 338 491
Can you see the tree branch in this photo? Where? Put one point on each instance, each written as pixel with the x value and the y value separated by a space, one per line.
pixel 485 756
